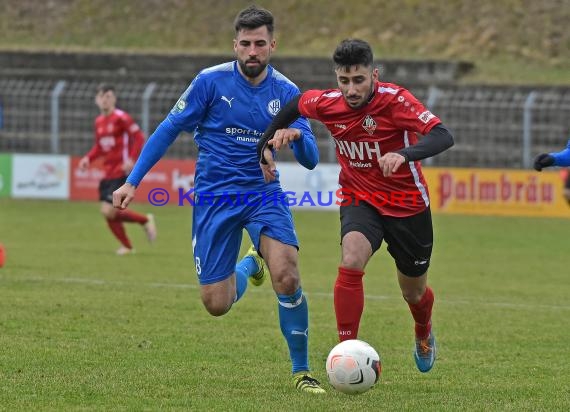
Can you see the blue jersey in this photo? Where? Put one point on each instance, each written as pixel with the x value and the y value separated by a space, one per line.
pixel 228 116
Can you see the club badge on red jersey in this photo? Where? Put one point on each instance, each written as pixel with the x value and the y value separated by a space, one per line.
pixel 369 124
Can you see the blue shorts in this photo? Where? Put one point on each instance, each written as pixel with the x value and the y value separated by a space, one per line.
pixel 217 230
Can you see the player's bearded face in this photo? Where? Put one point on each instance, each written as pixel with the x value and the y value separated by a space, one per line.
pixel 356 84
pixel 253 49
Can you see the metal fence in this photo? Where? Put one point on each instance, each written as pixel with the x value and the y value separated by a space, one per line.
pixel 502 127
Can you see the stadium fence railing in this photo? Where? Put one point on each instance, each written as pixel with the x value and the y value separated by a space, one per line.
pixel 494 126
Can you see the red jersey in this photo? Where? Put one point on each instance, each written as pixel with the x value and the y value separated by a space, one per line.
pixel 388 123
pixel 117 138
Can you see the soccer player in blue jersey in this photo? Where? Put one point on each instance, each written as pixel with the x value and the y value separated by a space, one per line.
pixel 228 107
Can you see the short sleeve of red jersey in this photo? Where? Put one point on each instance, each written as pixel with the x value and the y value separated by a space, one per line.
pixel 136 137
pixel 408 113
pixel 308 103
pixel 128 123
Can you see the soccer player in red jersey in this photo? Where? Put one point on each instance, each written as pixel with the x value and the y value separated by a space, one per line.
pixel 374 126
pixel 119 140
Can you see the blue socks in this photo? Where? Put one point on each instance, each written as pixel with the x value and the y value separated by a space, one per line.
pixel 244 269
pixel 293 315
pixel 294 322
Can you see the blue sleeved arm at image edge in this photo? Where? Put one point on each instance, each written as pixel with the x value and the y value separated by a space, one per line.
pixel 153 150
pixel 562 158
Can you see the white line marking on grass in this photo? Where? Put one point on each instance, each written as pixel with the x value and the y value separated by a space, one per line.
pixel 83 280
pixel 318 294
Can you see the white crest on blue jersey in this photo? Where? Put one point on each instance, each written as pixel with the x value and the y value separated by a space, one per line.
pixel 274 106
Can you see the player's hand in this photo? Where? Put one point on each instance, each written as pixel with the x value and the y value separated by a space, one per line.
pixel 390 163
pixel 123 196
pixel 269 169
pixel 283 137
pixel 83 163
pixel 128 165
pixel 543 160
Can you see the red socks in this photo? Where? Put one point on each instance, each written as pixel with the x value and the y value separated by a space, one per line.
pixel 118 230
pixel 116 224
pixel 127 215
pixel 348 302
pixel 421 312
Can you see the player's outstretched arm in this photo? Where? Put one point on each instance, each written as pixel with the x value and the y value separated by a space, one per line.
pixel 153 150
pixel 437 140
pixel 561 159
pixel 94 153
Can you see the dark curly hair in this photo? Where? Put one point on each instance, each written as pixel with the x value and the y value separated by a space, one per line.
pixel 254 17
pixel 353 52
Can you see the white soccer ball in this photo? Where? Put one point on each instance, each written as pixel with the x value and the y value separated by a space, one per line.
pixel 353 366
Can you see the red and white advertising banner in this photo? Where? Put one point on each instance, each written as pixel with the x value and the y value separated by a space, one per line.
pixel 162 182
pixel 504 192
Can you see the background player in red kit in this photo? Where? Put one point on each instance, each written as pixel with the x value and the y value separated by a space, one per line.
pixel 374 127
pixel 119 140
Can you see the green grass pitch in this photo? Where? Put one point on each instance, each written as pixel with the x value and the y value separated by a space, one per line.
pixel 83 329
